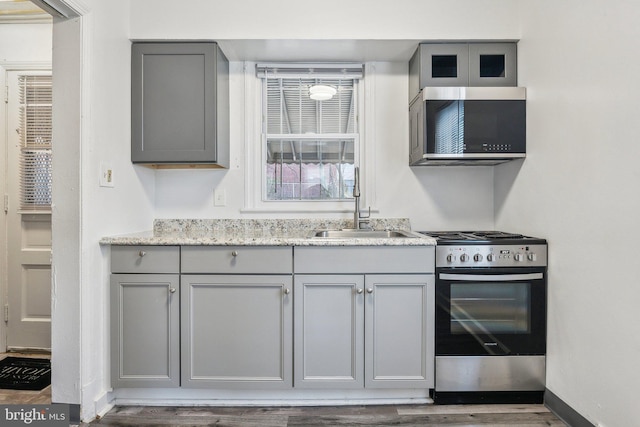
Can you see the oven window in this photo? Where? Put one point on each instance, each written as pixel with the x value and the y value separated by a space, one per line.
pixel 490 308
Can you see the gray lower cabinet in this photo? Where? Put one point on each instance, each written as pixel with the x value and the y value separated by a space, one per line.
pixel 399 331
pixel 372 331
pixel 329 333
pixel 145 330
pixel 145 316
pixel 236 317
pixel 356 329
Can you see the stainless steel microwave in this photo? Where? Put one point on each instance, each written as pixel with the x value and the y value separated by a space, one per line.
pixel 467 125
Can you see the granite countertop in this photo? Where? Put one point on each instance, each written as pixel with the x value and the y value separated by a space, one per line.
pixel 262 232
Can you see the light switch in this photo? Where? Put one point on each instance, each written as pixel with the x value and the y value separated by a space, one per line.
pixel 106 175
pixel 219 197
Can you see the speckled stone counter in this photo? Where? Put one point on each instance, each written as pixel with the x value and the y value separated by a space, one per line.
pixel 266 232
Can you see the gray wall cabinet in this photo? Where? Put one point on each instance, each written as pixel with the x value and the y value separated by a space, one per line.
pixel 462 64
pixel 145 317
pixel 179 104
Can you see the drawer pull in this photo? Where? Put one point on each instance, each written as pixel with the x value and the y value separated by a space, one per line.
pixel 234 253
pixel 172 290
pixel 141 254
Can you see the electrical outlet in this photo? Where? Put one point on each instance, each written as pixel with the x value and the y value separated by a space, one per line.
pixel 219 198
pixel 106 175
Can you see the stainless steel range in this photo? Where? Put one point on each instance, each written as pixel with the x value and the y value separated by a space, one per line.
pixel 491 291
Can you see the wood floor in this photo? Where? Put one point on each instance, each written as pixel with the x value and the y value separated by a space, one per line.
pixel 273 416
pixel 387 415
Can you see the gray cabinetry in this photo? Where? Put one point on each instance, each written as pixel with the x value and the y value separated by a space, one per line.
pixel 329 334
pixel 399 331
pixel 356 329
pixel 462 64
pixel 145 328
pixel 179 104
pixel 237 328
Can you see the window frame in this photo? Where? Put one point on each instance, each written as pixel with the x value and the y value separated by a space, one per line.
pixel 255 151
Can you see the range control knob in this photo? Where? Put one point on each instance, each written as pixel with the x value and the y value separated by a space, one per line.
pixel 532 257
pixel 477 257
pixel 519 257
pixel 451 258
pixel 490 257
pixel 464 257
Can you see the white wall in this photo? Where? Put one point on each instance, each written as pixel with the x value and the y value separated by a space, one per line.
pixel 432 199
pixel 579 187
pixel 25 42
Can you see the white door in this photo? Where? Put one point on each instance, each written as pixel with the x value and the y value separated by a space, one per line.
pixel 28 209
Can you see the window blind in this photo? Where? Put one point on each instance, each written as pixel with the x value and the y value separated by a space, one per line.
pixel 309 144
pixel 35 103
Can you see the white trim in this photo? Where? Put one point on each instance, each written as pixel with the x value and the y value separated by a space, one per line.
pixel 4 140
pixel 27 66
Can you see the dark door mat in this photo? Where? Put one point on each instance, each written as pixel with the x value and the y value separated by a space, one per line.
pixel 24 373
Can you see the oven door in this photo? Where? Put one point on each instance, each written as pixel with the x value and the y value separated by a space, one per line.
pixel 490 312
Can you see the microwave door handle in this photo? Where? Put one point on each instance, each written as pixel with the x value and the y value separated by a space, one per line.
pixel 491 277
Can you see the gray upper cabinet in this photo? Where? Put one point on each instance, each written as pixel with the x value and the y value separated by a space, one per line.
pixel 462 64
pixel 179 104
pixel 493 64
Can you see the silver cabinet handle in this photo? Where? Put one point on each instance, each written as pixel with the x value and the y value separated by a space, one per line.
pixel 172 290
pixel 287 291
pixel 234 253
pixel 359 290
pixel 369 290
pixel 141 253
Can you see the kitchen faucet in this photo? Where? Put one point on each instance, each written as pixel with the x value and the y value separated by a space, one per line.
pixel 358 218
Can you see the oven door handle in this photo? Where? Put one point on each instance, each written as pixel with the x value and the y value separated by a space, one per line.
pixel 491 277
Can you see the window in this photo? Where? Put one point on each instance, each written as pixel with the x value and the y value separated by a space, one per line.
pixel 35 97
pixel 310 146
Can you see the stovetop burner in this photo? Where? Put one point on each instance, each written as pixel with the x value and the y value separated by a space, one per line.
pixel 481 237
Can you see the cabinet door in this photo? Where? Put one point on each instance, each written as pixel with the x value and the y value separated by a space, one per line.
pixel 145 340
pixel 445 64
pixel 493 64
pixel 177 114
pixel 237 331
pixel 329 333
pixel 399 325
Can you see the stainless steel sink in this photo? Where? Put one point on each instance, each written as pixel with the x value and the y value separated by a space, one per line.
pixel 363 234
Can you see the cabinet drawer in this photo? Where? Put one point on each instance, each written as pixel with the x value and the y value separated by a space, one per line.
pixel 237 260
pixel 364 259
pixel 145 259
